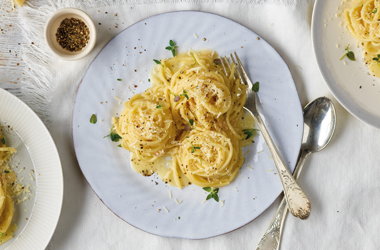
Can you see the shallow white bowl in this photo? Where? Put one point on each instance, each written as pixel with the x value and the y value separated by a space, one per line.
pixel 51 30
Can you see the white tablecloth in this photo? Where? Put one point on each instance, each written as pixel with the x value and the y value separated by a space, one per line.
pixel 343 181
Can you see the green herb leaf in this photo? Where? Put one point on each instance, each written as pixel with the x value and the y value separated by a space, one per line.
pixel 93 119
pixel 148 79
pixel 249 132
pixel 194 148
pixel 184 93
pixel 213 193
pixel 2 140
pixel 157 61
pixel 119 79
pixel 115 137
pixel 191 121
pixel 351 55
pixel 377 58
pixel 158 106
pixel 6 171
pixel 215 196
pixel 119 145
pixel 374 10
pixel 172 47
pixel 256 87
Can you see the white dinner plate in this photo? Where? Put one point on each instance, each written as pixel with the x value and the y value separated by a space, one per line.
pixel 349 81
pixel 146 202
pixel 38 166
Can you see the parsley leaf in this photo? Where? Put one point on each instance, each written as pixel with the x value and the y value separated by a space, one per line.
pixel 191 121
pixel 213 193
pixel 2 140
pixel 194 148
pixel 349 54
pixel 158 106
pixel 256 87
pixel 157 61
pixel 249 132
pixel 93 119
pixel 172 47
pixel 374 10
pixel 119 79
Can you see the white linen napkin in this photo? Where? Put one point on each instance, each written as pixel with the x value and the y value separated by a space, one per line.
pixel 344 214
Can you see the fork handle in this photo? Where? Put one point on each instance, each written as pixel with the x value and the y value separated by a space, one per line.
pixel 298 203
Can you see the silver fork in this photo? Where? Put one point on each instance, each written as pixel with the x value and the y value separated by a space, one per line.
pixel 297 201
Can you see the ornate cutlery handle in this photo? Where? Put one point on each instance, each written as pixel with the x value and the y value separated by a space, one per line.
pixel 272 237
pixel 298 204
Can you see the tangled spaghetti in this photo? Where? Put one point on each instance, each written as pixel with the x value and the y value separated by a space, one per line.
pixel 363 21
pixel 193 113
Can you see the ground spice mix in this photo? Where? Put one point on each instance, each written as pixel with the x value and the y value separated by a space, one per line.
pixel 73 34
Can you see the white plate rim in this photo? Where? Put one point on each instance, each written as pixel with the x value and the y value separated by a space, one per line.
pixel 81 84
pixel 41 238
pixel 339 95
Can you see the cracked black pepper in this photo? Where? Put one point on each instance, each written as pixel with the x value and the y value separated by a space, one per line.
pixel 73 34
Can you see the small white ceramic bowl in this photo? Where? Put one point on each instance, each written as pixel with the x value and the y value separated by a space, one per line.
pixel 51 30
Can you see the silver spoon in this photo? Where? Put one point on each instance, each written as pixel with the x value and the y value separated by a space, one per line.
pixel 319 126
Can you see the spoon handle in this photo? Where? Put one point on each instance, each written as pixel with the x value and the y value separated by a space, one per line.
pixel 272 236
pixel 298 203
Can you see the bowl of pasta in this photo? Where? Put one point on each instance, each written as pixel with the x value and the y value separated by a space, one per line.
pixel 346 39
pixel 163 138
pixel 31 182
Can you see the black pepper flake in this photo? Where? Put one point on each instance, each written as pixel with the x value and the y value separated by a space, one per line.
pixel 72 34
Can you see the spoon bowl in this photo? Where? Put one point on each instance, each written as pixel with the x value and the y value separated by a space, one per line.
pixel 319 124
